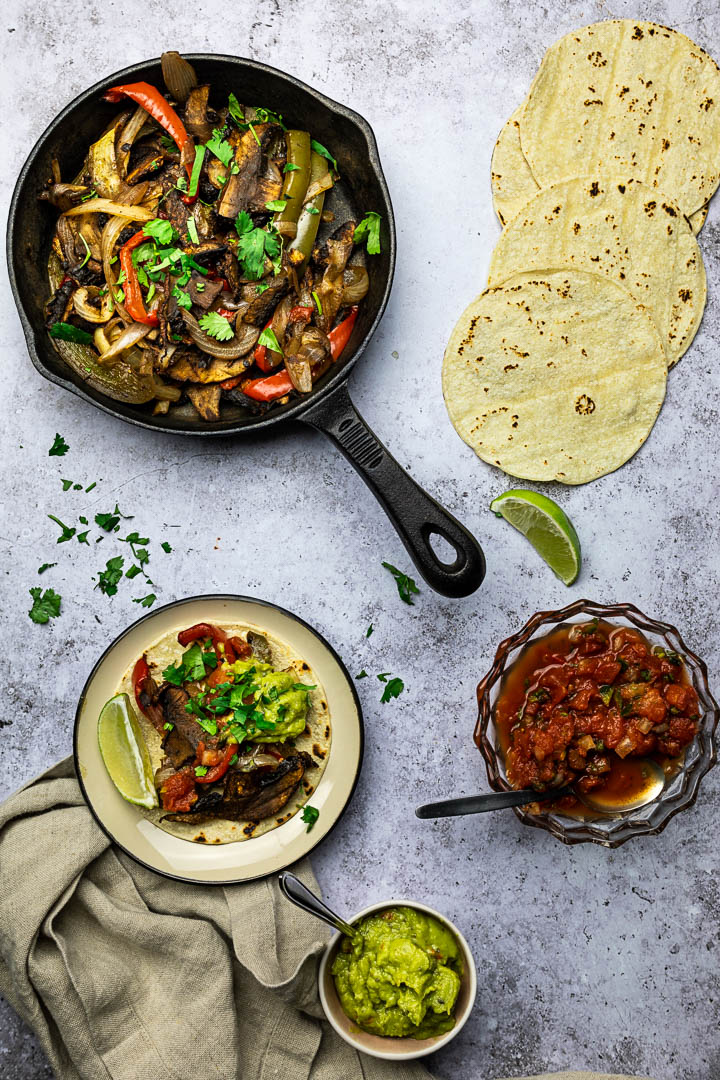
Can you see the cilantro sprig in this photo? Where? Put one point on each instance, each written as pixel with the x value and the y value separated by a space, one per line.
pixel 59 447
pixel 253 245
pixel 46 605
pixel 405 585
pixel 369 230
pixel 216 326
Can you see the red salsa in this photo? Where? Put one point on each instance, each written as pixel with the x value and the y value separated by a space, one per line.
pixel 581 703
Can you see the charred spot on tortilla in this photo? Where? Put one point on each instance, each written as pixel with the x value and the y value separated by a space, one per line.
pixel 584 405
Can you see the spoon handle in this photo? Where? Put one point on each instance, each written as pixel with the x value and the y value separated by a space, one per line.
pixel 294 890
pixel 480 804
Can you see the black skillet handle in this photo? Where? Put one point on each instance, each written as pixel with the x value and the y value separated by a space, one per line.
pixel 415 515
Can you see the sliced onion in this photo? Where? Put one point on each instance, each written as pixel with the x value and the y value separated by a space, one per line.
pixel 323 184
pixel 245 338
pixel 129 337
pixel 88 311
pixel 355 285
pixel 645 725
pixel 127 137
pixel 178 75
pixel 286 228
pixel 625 747
pixel 107 206
pixel 300 374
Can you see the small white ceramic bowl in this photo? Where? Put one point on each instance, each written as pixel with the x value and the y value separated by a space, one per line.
pixel 392 1048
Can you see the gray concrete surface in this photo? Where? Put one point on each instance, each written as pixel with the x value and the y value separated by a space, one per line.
pixel 586 958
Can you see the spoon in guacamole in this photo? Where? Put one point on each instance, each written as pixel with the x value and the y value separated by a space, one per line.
pixel 293 889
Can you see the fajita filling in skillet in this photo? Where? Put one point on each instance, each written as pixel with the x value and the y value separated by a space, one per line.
pixel 194 261
pixel 237 727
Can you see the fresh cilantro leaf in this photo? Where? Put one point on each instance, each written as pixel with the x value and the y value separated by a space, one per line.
pixel 261 287
pixel 192 231
pixel 133 571
pixel 312 210
pixel 146 601
pixel 310 816
pixel 220 147
pixel 64 331
pixel 161 230
pixel 109 577
pixel 107 521
pixel 67 484
pixel 253 245
pixel 369 630
pixel 91 486
pixel 67 532
pixel 363 674
pixel 369 229
pixel 46 566
pixel 320 149
pixel 233 759
pixel 318 303
pixel 167 143
pixel 82 520
pixel 276 205
pixel 136 538
pixel 46 605
pixel 59 447
pixel 168 726
pixel 182 298
pixel 166 547
pixel 267 116
pixel 201 770
pixel 82 538
pixel 392 689
pixel 195 172
pixel 243 223
pixel 236 110
pixel 405 585
pixel 290 167
pixel 269 340
pixel 216 326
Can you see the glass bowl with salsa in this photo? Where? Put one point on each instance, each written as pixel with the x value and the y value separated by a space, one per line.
pixel 584 696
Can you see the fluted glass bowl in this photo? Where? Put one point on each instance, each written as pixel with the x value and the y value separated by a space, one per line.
pixel 681 790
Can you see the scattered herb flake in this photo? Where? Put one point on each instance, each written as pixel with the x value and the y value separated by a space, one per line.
pixel 290 167
pixel 146 601
pixel 269 340
pixel 369 630
pixel 393 689
pixel 166 547
pixel 91 486
pixel 46 605
pixel 109 577
pixel 64 331
pixel 405 585
pixel 369 229
pixel 66 484
pixel 320 149
pixel 363 674
pixel 59 446
pixel 310 816
pixel 46 566
pixel 161 230
pixel 133 571
pixel 67 532
pixel 276 205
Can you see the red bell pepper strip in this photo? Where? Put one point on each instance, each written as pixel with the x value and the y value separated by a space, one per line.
pixel 340 336
pixel 301 313
pixel 215 772
pixel 260 356
pixel 275 386
pixel 234 647
pixel 131 285
pixel 141 672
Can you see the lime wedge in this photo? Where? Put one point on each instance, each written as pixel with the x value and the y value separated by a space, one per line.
pixel 125 752
pixel 546 526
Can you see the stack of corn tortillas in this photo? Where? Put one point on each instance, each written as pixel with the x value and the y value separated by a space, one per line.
pixel 601 179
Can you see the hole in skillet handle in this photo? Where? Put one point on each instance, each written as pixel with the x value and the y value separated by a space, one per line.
pixel 457 568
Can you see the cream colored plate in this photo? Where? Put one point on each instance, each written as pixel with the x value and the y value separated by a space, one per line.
pixel 221 863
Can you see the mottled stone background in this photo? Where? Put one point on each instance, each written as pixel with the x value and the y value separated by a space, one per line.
pixel 586 958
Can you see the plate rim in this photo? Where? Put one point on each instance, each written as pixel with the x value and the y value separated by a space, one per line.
pixel 145 618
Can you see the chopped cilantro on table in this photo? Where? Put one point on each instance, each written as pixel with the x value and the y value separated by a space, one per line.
pixel 146 601
pixel 393 687
pixel 110 522
pixel 133 571
pixel 369 230
pixel 59 447
pixel 310 816
pixel 109 577
pixel 216 326
pixel 46 566
pixel 320 149
pixel 362 675
pixel 82 538
pixel 166 547
pixel 405 585
pixel 369 630
pixel 46 605
pixel 67 531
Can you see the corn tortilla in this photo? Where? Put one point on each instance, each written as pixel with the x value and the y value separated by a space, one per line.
pixel 621 228
pixel 512 180
pixel 558 375
pixel 627 98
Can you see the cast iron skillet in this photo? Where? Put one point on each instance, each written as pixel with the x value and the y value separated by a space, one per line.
pixel 416 516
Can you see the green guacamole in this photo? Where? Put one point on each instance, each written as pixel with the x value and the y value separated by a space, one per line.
pixel 280 701
pixel 400 975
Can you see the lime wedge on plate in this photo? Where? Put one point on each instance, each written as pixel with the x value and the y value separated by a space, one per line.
pixel 125 752
pixel 546 526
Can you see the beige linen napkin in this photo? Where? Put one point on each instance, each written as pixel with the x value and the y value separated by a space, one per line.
pixel 126 975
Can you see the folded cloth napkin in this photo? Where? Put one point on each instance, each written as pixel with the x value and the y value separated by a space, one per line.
pixel 126 975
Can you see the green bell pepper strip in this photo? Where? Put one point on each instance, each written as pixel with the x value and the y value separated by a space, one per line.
pixel 296 181
pixel 309 220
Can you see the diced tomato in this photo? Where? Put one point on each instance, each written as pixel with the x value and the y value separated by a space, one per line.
pixel 178 791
